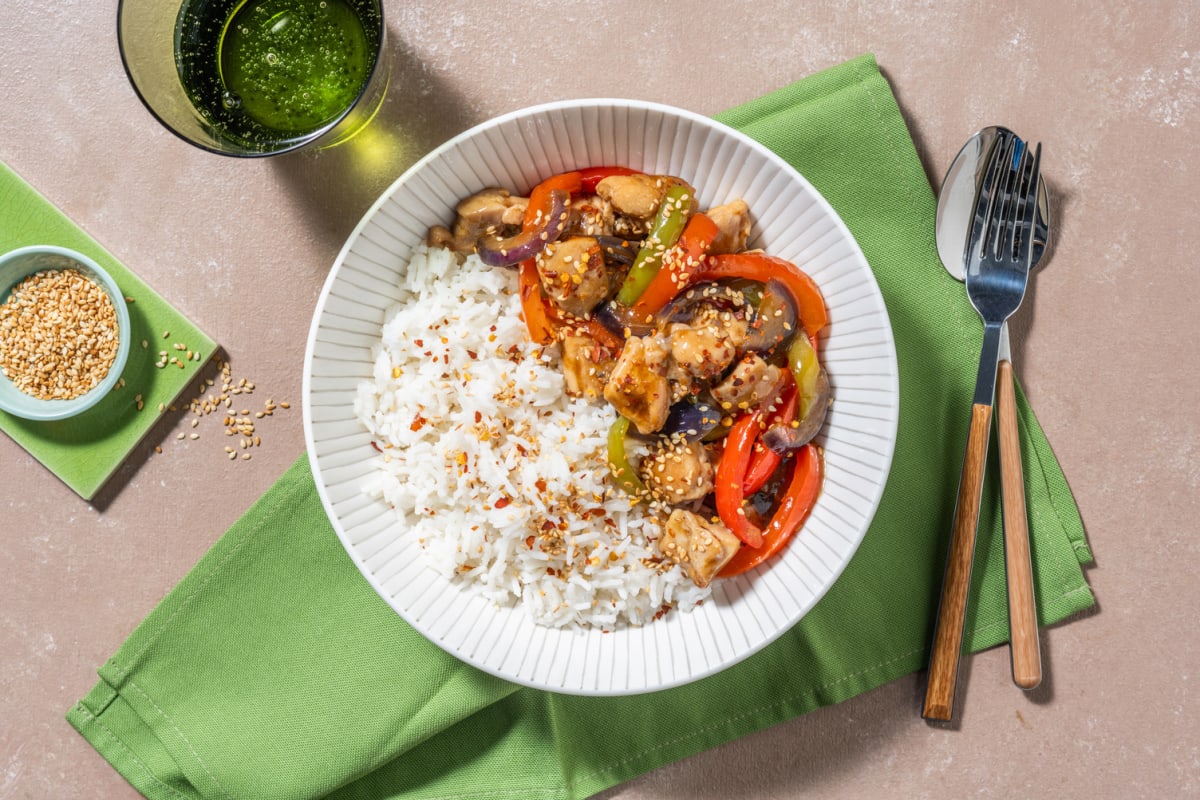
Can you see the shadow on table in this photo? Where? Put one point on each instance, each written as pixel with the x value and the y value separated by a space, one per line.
pixel 339 183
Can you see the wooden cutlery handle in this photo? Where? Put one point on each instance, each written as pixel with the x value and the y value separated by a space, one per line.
pixel 1022 610
pixel 952 609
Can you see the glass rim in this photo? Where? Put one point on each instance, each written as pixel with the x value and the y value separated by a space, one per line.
pixel 303 142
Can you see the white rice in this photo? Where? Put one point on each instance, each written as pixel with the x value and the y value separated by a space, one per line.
pixel 499 474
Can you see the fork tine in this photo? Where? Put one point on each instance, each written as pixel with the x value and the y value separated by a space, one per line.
pixel 1001 223
pixel 1032 180
pixel 983 202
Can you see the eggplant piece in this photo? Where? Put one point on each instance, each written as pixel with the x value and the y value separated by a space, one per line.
pixel 619 320
pixel 783 438
pixel 618 250
pixel 691 420
pixel 775 322
pixel 683 307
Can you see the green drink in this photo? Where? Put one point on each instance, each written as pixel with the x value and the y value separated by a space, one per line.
pixel 266 75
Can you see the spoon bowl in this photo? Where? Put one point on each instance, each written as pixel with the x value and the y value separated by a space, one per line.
pixel 956 202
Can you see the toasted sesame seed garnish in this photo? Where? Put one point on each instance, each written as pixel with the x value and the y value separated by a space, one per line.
pixel 58 334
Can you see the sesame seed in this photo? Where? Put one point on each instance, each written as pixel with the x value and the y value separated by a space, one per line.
pixel 59 334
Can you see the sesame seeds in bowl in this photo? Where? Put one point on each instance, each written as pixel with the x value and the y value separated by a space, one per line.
pixel 64 332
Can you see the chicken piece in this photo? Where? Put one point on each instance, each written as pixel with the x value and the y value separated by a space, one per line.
pixel 706 345
pixel 700 546
pixel 677 471
pixel 681 381
pixel 751 383
pixel 494 212
pixel 586 365
pixel 574 275
pixel 591 215
pixel 638 387
pixel 733 227
pixel 635 200
pixel 637 195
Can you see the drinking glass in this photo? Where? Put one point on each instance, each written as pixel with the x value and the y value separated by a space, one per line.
pixel 256 77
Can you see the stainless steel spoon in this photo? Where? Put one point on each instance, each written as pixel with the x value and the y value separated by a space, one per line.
pixel 956 204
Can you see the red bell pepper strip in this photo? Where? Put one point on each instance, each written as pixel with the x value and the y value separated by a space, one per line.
pixel 538 315
pixel 570 182
pixel 731 475
pixel 810 304
pixel 593 175
pixel 592 326
pixel 687 256
pixel 765 461
pixel 797 503
pixel 534 307
pixel 603 335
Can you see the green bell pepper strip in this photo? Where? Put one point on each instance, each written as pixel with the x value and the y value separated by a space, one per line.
pixel 668 224
pixel 622 471
pixel 805 368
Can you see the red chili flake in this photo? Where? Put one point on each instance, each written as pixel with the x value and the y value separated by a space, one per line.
pixel 548 525
pixel 419 342
pixel 503 502
pixel 417 423
pixel 529 542
pixel 478 417
pixel 540 484
pixel 473 355
pixel 375 444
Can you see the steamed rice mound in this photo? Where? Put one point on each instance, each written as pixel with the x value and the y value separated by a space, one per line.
pixel 494 469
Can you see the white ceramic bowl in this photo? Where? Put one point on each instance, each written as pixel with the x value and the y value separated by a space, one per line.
pixel 15 266
pixel 791 220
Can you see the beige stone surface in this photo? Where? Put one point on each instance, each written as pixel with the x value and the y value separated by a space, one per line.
pixel 1106 350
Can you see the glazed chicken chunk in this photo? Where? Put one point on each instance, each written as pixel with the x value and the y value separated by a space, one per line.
pixel 638 387
pixel 491 212
pixel 708 343
pixel 751 382
pixel 586 365
pixel 700 546
pixel 591 215
pixel 573 274
pixel 635 196
pixel 733 226
pixel 678 471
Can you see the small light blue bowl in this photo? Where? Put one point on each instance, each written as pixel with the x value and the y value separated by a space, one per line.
pixel 15 266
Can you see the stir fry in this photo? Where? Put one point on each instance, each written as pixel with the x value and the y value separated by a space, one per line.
pixel 707 351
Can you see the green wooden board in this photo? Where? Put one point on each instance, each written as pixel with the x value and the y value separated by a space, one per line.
pixel 86 450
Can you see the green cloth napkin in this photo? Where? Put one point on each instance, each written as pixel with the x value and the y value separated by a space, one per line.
pixel 274 671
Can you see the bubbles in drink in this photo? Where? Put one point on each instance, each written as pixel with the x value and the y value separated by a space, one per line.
pixel 279 69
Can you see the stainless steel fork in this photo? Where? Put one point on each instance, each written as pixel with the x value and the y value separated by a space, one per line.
pixel 998 256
